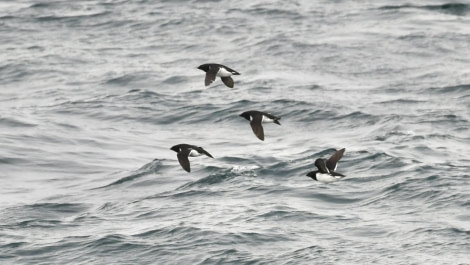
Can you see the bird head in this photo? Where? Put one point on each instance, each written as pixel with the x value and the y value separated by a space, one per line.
pixel 204 67
pixel 312 174
pixel 175 148
pixel 245 115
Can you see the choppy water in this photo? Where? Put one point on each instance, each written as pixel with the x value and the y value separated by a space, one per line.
pixel 94 93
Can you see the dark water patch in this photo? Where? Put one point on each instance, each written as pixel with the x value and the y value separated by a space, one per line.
pixel 8 17
pixel 54 208
pixel 201 113
pixel 400 101
pixel 159 232
pixel 79 106
pixel 13 245
pixel 308 115
pixel 288 104
pixel 14 161
pixel 173 22
pixel 254 238
pixel 232 256
pixel 374 161
pixel 111 108
pixel 12 72
pixel 183 192
pixel 65 10
pixel 68 126
pixel 270 12
pixel 286 215
pixel 307 255
pixel 38 223
pixel 459 90
pixel 123 80
pixel 184 234
pixel 210 180
pixel 147 169
pixel 287 168
pixel 272 190
pixel 220 175
pixel 41 215
pixel 336 199
pixel 138 97
pixel 87 218
pixel 71 250
pixel 431 192
pixel 135 90
pixel 78 249
pixel 458 9
pixel 70 20
pixel 43 252
pixel 45 5
pixel 193 193
pixel 444 118
pixel 108 240
pixel 451 232
pixel 442 137
pixel 279 169
pixel 173 80
pixel 397 135
pixel 195 113
pixel 109 207
pixel 358 118
pixel 183 237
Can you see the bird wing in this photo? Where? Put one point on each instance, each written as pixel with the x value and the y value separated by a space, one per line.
pixel 210 75
pixel 230 70
pixel 320 163
pixel 272 117
pixel 332 162
pixel 337 175
pixel 228 81
pixel 257 127
pixel 184 160
pixel 201 150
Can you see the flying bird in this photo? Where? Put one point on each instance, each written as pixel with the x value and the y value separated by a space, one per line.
pixel 325 172
pixel 184 151
pixel 213 70
pixel 256 119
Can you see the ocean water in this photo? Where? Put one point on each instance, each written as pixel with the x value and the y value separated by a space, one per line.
pixel 94 93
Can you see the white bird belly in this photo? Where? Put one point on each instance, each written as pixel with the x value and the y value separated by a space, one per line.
pixel 266 119
pixel 223 73
pixel 194 153
pixel 326 178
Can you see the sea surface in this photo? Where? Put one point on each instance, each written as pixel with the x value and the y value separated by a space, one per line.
pixel 94 93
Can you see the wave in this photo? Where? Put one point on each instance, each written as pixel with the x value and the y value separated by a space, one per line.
pixel 459 90
pixel 41 214
pixel 10 122
pixel 151 168
pixel 458 9
pixel 219 176
pixel 70 18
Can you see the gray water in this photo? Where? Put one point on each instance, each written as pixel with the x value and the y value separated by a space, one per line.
pixel 94 93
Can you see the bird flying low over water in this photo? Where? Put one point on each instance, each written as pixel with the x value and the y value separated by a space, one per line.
pixel 326 169
pixel 213 70
pixel 184 151
pixel 258 117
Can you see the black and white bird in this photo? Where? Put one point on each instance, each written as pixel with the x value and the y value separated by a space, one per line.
pixel 213 70
pixel 184 151
pixel 326 169
pixel 256 119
